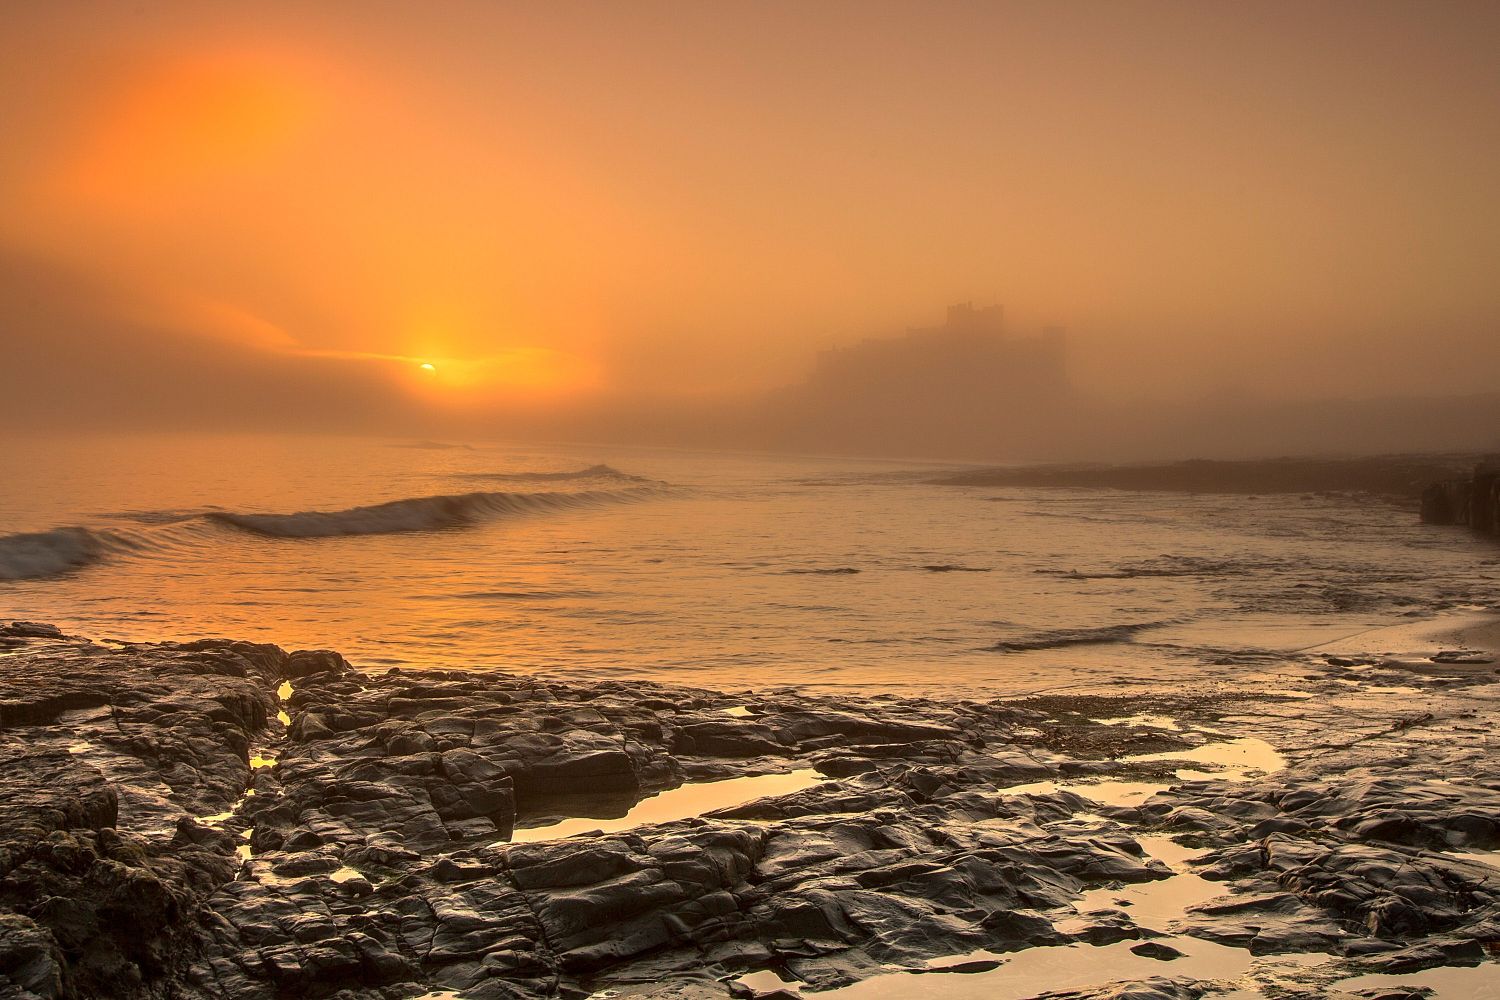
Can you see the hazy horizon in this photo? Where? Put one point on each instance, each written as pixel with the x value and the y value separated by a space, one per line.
pixel 644 226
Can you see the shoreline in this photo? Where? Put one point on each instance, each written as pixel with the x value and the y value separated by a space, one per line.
pixel 396 833
pixel 1462 644
pixel 1477 629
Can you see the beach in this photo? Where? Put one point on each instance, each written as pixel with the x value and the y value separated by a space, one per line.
pixel 267 824
pixel 502 722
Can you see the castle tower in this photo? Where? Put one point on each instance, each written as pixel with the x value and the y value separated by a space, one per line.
pixel 964 318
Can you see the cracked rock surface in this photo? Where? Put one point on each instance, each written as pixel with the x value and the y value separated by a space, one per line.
pixel 227 819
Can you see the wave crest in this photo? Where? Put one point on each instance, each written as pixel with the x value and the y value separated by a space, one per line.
pixel 419 513
pixel 43 554
pixel 39 554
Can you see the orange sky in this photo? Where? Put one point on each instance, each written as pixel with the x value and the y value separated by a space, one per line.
pixel 553 201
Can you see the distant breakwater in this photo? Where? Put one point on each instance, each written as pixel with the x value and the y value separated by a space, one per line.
pixel 1474 501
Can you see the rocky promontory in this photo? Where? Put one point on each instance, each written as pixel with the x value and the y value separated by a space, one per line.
pixel 229 819
pixel 1473 500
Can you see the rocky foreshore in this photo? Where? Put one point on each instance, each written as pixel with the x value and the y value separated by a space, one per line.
pixel 227 819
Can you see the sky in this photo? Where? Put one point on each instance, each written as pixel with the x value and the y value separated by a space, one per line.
pixel 568 210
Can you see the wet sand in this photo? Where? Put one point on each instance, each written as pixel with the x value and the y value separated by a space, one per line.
pixel 1464 642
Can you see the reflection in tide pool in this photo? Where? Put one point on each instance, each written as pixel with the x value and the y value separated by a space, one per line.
pixel 1479 982
pixel 1491 858
pixel 1158 904
pixel 1018 975
pixel 1073 967
pixel 1230 760
pixel 284 693
pixel 1110 793
pixel 1226 760
pixel 679 803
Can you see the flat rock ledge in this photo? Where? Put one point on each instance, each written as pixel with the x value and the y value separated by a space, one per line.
pixel 228 819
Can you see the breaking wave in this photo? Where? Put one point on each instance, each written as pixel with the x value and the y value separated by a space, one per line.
pixel 44 554
pixel 1057 638
pixel 421 513
pixel 40 554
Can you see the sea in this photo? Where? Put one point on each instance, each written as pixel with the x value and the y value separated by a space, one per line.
pixel 726 571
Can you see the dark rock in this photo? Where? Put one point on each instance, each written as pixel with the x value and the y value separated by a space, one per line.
pixel 314 661
pixel 380 866
pixel 30 960
pixel 31 630
pixel 1149 989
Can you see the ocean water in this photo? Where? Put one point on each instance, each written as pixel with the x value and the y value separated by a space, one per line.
pixel 720 570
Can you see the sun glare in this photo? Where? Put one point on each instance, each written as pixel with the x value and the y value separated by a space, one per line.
pixel 428 366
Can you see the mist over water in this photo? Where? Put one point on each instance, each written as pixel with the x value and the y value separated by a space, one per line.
pixel 720 570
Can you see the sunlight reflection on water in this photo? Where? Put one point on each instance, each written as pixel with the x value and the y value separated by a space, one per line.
pixel 735 580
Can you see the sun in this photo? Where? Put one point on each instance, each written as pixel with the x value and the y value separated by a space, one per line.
pixel 428 366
